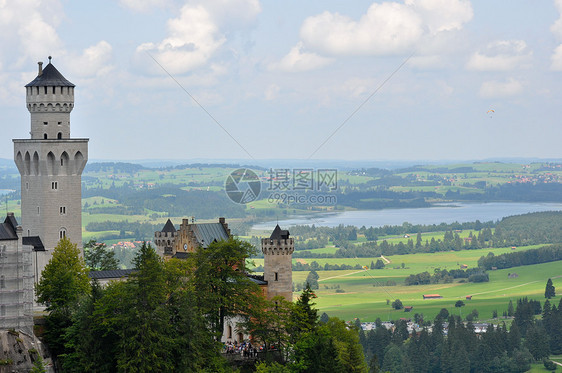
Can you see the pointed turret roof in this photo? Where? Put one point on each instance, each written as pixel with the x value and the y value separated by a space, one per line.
pixel 50 77
pixel 169 227
pixel 279 233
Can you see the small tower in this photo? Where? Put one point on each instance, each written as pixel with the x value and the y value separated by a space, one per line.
pixel 165 239
pixel 278 268
pixel 51 164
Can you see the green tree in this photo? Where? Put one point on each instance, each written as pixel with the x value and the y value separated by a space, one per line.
pixel 510 310
pixel 98 257
pixel 221 285
pixel 397 304
pixel 312 280
pixel 550 290
pixel 331 347
pixel 63 281
pixel 459 304
pixel 379 264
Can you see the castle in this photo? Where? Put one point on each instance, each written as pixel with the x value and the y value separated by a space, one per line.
pixel 51 164
pixel 277 279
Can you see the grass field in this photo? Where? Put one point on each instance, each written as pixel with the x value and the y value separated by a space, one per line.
pixel 366 292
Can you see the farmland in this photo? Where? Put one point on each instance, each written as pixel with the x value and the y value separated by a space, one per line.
pixel 366 294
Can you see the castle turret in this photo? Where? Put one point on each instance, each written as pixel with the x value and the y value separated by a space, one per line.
pixel 51 163
pixel 278 270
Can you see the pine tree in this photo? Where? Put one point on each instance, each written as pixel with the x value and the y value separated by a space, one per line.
pixel 550 290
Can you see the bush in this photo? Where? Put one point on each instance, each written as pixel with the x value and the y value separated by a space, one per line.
pixel 549 364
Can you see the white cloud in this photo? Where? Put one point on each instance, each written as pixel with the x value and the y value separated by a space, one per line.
pixel 143 5
pixel 443 15
pixel 271 92
pixel 501 55
pixel 495 89
pixel 198 33
pixel 557 59
pixel 93 61
pixel 27 30
pixel 556 28
pixel 387 28
pixel 298 60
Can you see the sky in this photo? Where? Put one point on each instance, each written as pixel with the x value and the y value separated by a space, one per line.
pixel 319 79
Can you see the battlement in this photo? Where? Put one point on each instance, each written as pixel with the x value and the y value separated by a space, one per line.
pixel 283 246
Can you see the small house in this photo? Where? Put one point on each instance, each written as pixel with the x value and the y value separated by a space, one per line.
pixel 408 308
pixel 469 297
pixel 432 296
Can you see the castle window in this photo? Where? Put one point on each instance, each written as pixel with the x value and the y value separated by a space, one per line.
pixel 54 185
pixel 59 123
pixel 26 186
pixel 37 90
pixel 62 210
pixel 45 136
pixel 59 136
pixel 62 233
pixel 45 123
pixel 45 89
pixel 62 162
pixel 53 90
pixel 229 331
pixel 276 276
pixel 38 211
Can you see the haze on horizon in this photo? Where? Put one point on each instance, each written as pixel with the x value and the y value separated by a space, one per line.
pixel 282 77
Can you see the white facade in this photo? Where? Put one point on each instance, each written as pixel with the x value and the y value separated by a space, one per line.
pixel 50 165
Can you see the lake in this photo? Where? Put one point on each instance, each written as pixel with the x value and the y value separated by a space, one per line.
pixel 446 213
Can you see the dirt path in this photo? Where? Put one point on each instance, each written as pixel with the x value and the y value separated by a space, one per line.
pixel 347 274
pixel 386 261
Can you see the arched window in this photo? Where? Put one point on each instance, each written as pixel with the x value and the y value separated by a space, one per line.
pixel 45 136
pixel 62 233
pixel 59 135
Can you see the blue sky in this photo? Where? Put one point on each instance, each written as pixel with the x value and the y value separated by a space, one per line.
pixel 282 77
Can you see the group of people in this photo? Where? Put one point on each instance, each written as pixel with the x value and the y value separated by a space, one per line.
pixel 246 349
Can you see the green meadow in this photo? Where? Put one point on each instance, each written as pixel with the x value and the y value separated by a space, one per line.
pixel 365 292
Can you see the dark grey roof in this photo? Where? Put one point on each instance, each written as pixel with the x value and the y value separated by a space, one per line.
pixel 279 233
pixel 8 228
pixel 169 227
pixel 257 279
pixel 207 233
pixel 7 232
pixel 114 273
pixel 180 255
pixel 34 241
pixel 50 77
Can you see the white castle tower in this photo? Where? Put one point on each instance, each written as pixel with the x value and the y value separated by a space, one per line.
pixel 50 165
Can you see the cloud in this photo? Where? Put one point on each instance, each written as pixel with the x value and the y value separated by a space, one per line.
pixel 31 36
pixel 197 33
pixel 501 55
pixel 272 92
pixel 557 59
pixel 387 28
pixel 93 61
pixel 556 28
pixel 298 60
pixel 143 5
pixel 496 89
pixel 442 15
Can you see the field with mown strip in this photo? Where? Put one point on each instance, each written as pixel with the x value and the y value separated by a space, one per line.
pixel 365 295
